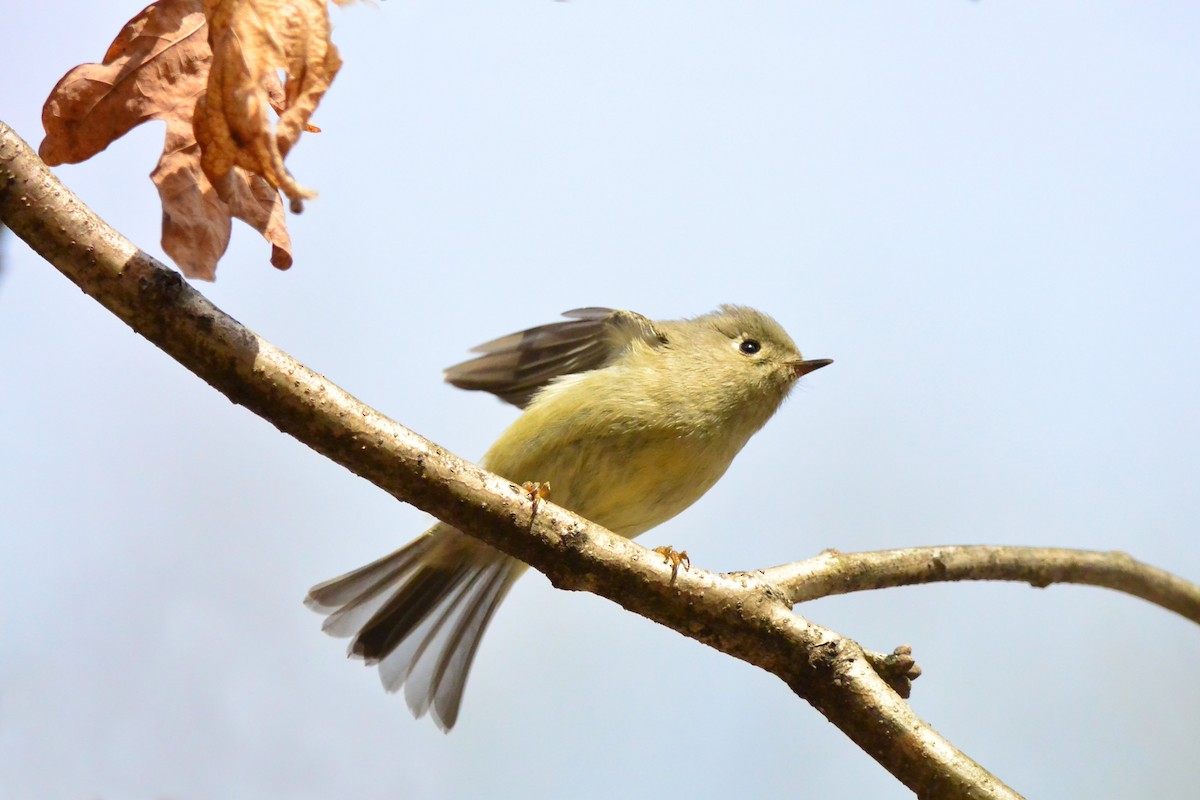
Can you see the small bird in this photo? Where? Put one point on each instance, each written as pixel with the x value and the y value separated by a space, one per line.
pixel 628 420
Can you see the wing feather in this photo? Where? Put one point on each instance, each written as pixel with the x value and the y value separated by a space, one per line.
pixel 515 367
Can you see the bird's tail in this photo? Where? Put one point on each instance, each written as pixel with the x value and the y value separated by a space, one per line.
pixel 419 614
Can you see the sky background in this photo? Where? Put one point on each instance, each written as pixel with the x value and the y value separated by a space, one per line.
pixel 985 212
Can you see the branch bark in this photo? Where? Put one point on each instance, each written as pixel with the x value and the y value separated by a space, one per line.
pixel 841 573
pixel 745 615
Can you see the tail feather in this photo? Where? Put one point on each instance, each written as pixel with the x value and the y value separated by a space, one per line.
pixel 420 614
pixel 424 590
pixel 443 688
pixel 369 580
pixel 350 600
pixel 397 667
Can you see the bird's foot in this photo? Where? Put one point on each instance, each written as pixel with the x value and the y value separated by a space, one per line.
pixel 675 558
pixel 536 491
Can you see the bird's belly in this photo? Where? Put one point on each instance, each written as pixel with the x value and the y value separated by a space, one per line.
pixel 632 486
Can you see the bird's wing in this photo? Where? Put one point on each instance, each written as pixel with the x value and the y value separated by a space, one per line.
pixel 516 366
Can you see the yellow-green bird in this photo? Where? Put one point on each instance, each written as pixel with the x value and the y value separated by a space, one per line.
pixel 628 420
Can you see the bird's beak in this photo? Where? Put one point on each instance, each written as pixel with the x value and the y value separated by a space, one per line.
pixel 804 367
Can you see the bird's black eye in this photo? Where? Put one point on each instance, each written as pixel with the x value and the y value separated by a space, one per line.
pixel 749 346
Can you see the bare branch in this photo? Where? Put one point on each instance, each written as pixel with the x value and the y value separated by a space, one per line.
pixel 840 573
pixel 742 615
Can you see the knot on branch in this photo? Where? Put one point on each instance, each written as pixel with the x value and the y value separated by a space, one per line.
pixel 898 669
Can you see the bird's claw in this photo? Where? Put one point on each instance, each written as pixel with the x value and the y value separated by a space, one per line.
pixel 536 491
pixel 675 558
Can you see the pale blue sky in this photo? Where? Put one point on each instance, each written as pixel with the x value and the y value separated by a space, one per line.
pixel 985 212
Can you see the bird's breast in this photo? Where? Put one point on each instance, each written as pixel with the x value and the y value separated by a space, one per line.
pixel 627 482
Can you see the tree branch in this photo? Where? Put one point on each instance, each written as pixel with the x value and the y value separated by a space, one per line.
pixel 742 615
pixel 841 573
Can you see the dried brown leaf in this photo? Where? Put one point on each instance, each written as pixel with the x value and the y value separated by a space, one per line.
pixel 154 69
pixel 197 216
pixel 162 66
pixel 251 40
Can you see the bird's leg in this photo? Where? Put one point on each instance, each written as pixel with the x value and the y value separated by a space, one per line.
pixel 535 491
pixel 674 558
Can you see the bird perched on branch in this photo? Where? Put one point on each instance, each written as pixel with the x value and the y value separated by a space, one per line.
pixel 628 420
